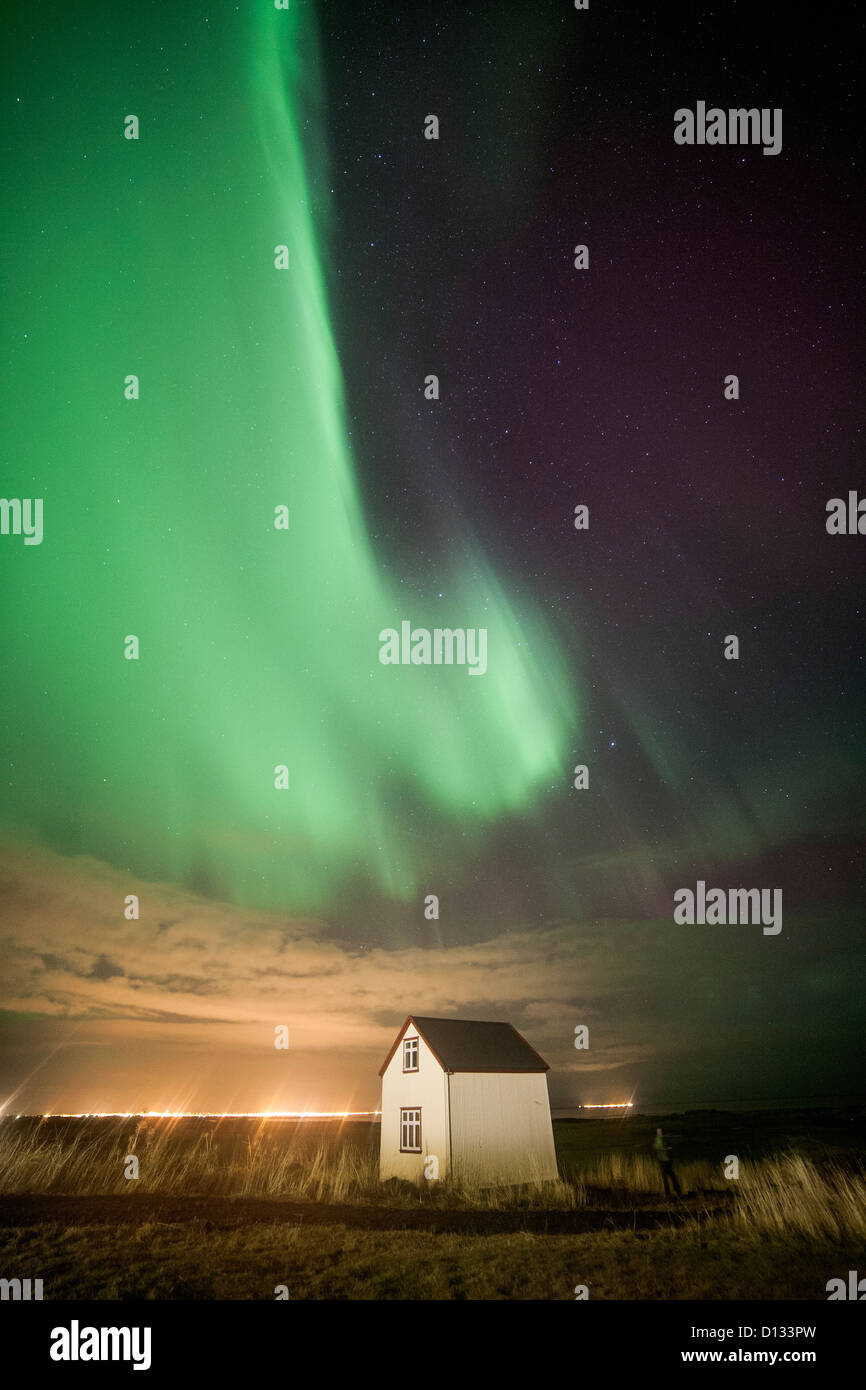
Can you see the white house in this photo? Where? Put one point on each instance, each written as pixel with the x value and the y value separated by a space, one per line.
pixel 465 1099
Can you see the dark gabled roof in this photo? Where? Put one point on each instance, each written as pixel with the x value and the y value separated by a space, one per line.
pixel 464 1044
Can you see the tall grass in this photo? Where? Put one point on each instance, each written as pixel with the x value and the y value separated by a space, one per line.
pixel 183 1164
pixel 640 1173
pixel 786 1193
pixel 291 1166
pixel 790 1194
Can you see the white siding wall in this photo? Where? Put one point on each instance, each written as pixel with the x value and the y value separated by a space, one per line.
pixel 501 1129
pixel 424 1087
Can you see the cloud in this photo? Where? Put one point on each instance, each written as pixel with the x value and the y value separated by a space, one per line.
pixel 192 969
pixel 189 996
pixel 103 969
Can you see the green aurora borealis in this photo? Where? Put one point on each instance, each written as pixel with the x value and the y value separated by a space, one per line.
pixel 258 646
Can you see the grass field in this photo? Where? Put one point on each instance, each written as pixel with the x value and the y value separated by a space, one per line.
pixel 234 1208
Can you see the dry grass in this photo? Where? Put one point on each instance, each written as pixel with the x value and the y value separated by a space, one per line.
pixel 172 1163
pixel 176 1163
pixel 640 1173
pixel 791 1195
pixel 779 1195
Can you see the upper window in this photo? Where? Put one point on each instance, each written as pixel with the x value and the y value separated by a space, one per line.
pixel 410 1054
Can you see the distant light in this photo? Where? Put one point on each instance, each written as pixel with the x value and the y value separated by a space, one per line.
pixel 613 1105
pixel 213 1115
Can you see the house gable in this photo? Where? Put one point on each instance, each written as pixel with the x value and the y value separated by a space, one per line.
pixel 472 1045
pixel 409 1027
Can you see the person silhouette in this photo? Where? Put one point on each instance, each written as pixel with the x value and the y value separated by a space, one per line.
pixel 665 1162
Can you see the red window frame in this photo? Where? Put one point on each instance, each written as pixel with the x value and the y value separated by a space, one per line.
pixel 410 1128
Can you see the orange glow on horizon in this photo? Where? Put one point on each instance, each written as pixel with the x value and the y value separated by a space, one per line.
pixel 256 1114
pixel 209 1115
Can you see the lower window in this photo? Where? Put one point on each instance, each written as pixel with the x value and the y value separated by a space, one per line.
pixel 410 1131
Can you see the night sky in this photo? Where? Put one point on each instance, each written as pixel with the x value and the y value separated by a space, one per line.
pixel 259 647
